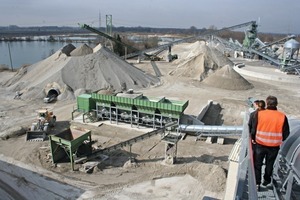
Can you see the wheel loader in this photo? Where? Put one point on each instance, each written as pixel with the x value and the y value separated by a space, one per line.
pixel 39 128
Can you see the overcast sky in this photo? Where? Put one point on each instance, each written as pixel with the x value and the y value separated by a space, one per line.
pixel 279 16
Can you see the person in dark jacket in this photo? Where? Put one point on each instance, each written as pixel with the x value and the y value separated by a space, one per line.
pixel 268 131
pixel 259 105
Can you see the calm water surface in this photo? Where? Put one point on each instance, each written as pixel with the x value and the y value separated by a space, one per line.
pixel 30 52
pixel 23 52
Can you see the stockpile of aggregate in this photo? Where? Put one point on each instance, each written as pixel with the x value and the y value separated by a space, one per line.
pixel 104 69
pixel 82 50
pixel 200 62
pixel 227 78
pixel 73 75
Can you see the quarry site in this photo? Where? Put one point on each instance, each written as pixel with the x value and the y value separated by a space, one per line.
pixel 211 88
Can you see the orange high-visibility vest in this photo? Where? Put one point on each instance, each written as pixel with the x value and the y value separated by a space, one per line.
pixel 269 128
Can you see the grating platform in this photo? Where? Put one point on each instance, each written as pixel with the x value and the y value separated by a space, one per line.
pixel 266 193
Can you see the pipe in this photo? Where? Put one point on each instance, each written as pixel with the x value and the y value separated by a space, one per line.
pixel 52 94
pixel 210 129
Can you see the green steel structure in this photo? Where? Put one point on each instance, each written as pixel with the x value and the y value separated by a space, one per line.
pixel 85 103
pixel 69 143
pixel 132 108
pixel 250 36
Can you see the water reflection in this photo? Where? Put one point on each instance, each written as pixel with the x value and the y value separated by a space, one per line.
pixel 24 52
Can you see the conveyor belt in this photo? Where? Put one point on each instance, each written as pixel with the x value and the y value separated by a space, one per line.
pixel 126 143
pixel 156 70
pixel 133 140
pixel 188 39
pixel 138 138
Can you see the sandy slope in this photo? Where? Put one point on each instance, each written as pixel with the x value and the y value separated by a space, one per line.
pixel 86 71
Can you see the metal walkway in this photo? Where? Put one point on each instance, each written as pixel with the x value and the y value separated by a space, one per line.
pixel 245 185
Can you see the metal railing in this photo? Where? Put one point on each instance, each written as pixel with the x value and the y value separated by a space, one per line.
pixel 246 186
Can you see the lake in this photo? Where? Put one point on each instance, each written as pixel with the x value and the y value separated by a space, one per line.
pixel 29 52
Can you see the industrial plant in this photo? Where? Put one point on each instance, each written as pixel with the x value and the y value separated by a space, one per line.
pixel 168 122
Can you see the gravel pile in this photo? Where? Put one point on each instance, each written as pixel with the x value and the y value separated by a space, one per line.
pixel 104 70
pixel 82 50
pixel 74 75
pixel 227 78
pixel 199 61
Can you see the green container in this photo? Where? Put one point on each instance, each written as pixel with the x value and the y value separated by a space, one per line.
pixel 85 103
pixel 102 98
pixel 70 142
pixel 170 108
pixel 123 103
pixel 145 106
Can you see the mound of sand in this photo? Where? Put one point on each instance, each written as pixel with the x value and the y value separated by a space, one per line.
pixel 209 65
pixel 199 61
pixel 104 69
pixel 92 72
pixel 228 78
pixel 82 50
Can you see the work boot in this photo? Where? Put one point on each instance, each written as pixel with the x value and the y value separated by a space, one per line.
pixel 258 188
pixel 265 184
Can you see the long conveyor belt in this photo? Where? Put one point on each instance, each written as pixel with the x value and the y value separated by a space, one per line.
pixel 126 143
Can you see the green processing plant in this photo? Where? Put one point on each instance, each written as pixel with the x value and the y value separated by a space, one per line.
pixel 132 108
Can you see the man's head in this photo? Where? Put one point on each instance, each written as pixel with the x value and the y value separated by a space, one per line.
pixel 271 101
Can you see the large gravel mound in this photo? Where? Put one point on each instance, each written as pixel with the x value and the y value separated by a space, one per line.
pixel 198 61
pixel 228 78
pixel 82 50
pixel 103 69
pixel 204 63
pixel 78 74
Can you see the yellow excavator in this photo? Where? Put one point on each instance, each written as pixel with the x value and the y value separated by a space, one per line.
pixel 39 129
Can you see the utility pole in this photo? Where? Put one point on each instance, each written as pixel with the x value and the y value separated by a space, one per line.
pixel 12 69
pixel 99 20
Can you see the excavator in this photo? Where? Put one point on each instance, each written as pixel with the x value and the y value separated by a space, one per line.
pixel 39 128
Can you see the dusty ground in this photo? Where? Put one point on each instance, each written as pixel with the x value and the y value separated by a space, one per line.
pixel 200 169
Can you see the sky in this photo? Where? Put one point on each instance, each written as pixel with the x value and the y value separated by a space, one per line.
pixel 275 16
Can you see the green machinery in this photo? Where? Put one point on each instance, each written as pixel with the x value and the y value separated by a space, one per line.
pixel 250 36
pixel 132 108
pixel 69 144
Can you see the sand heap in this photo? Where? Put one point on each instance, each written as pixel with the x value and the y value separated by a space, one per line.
pixel 78 74
pixel 199 61
pixel 104 69
pixel 227 78
pixel 82 50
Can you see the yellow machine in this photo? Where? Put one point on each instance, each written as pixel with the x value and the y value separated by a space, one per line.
pixel 45 119
pixel 39 129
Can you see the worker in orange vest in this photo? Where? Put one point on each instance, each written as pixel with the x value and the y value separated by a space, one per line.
pixel 269 130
